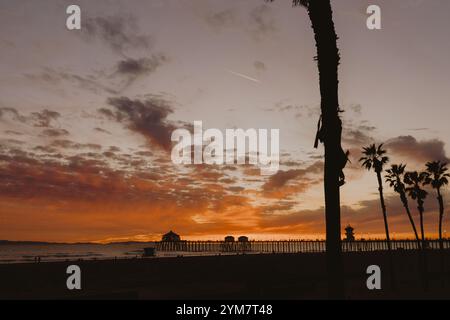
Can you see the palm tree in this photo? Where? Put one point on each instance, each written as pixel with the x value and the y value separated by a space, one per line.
pixel 321 15
pixel 375 158
pixel 438 178
pixel 394 177
pixel 415 180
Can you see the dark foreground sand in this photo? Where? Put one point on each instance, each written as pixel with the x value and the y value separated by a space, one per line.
pixel 268 276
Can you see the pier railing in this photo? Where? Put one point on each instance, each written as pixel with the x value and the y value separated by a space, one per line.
pixel 291 246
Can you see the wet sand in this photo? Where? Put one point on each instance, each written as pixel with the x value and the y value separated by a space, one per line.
pixel 265 276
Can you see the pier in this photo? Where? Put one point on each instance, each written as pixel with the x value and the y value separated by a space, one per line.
pixel 291 246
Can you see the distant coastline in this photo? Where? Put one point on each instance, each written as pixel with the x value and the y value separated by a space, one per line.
pixel 9 242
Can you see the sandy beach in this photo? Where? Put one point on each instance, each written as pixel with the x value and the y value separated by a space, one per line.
pixel 269 276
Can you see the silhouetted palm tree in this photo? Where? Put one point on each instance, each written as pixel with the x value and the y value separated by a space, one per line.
pixel 437 176
pixel 375 158
pixel 394 177
pixel 415 182
pixel 330 132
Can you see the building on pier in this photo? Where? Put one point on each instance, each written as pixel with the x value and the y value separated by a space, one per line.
pixel 229 239
pixel 229 245
pixel 171 237
pixel 244 244
pixel 243 239
pixel 349 234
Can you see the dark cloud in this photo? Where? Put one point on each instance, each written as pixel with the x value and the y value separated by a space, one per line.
pixel 12 132
pixel 307 220
pixel 53 133
pixel 235 189
pixel 356 109
pixel 45 149
pixel 259 66
pixel 144 153
pixel 141 66
pixel 148 117
pixel 44 117
pixel 299 111
pixel 13 113
pixel 282 206
pixel 109 114
pixel 132 69
pixel 128 69
pixel 419 129
pixel 315 156
pixel 68 144
pixel 356 137
pixel 102 130
pixel 281 178
pixel 421 151
pixel 114 149
pixel 262 21
pixel 120 33
pixel 356 134
pixel 54 77
pixel 291 163
pixel 11 141
pixel 218 20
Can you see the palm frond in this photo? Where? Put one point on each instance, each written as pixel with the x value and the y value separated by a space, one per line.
pixel 437 176
pixel 374 157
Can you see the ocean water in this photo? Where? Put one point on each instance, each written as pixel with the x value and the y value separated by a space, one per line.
pixel 26 253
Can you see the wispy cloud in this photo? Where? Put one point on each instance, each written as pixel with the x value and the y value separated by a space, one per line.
pixel 120 33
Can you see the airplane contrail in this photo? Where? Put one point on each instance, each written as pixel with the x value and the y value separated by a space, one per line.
pixel 243 76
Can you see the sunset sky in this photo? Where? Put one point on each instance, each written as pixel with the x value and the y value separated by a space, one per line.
pixel 86 116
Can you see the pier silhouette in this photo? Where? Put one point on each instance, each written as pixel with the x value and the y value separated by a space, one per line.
pixel 292 246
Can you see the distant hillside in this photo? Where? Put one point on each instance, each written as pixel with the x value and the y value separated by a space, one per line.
pixel 7 242
pixel 3 242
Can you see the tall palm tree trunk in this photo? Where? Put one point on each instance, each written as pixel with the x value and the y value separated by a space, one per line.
pixel 422 230
pixel 321 16
pixel 424 246
pixel 386 229
pixel 441 217
pixel 441 242
pixel 383 208
pixel 411 220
